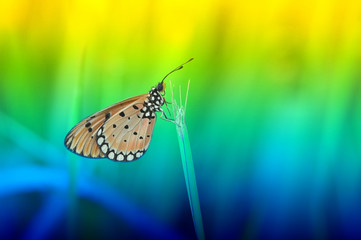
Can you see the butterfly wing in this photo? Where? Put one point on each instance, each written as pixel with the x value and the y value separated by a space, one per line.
pixel 126 135
pixel 82 139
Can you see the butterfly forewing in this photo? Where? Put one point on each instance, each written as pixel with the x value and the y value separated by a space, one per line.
pixel 82 139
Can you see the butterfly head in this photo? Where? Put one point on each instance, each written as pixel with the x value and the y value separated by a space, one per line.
pixel 160 87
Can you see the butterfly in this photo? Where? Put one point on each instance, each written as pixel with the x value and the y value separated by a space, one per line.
pixel 120 132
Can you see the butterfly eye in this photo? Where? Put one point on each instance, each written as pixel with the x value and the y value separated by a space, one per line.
pixel 160 87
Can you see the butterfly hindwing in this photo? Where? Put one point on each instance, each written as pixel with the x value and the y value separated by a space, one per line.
pixel 126 135
pixel 82 139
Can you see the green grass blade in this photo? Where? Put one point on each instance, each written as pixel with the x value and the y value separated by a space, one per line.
pixel 188 167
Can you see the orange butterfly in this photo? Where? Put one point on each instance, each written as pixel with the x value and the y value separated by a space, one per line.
pixel 121 132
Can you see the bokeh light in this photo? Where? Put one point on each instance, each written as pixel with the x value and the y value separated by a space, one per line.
pixel 274 118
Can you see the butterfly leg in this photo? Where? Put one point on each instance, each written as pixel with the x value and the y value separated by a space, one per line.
pixel 165 117
pixel 167 107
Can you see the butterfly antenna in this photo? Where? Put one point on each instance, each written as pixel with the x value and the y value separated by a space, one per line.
pixel 176 69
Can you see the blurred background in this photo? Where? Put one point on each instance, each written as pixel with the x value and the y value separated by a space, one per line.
pixel 274 118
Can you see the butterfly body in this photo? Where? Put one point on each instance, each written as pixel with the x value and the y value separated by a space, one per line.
pixel 152 104
pixel 121 132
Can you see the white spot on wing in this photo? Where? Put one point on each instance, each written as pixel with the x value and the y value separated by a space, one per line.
pixel 104 148
pixel 100 141
pixel 111 155
pixel 130 157
pixel 100 131
pixel 120 157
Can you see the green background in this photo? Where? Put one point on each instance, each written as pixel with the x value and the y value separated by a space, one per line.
pixel 274 117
